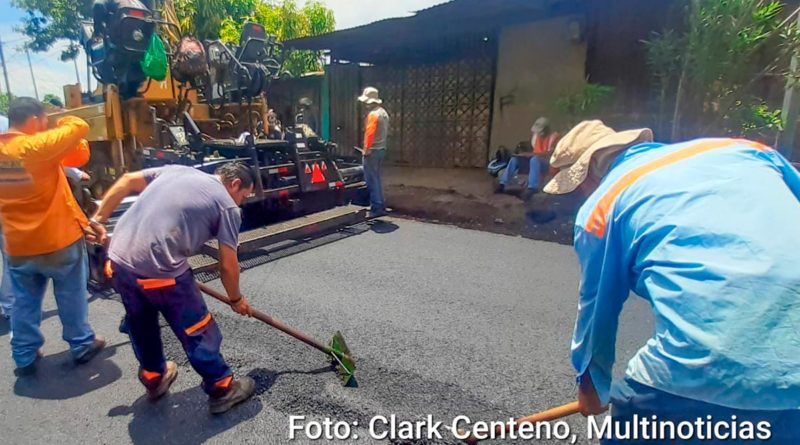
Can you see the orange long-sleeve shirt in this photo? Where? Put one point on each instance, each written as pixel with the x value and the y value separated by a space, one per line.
pixel 38 211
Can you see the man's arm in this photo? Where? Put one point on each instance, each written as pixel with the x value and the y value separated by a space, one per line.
pixel 128 184
pixel 603 291
pixel 78 157
pixel 229 274
pixel 369 133
pixel 52 145
pixel 228 238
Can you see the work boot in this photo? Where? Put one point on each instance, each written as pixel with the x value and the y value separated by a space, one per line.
pixel 377 213
pixel 29 369
pixel 98 345
pixel 240 390
pixel 155 392
pixel 500 189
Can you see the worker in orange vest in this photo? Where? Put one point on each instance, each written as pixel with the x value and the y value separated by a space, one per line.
pixel 44 230
pixel 376 136
pixel 543 141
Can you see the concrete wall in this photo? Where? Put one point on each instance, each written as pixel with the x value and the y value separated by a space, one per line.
pixel 536 63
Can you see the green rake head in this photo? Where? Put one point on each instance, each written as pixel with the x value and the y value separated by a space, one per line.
pixel 345 365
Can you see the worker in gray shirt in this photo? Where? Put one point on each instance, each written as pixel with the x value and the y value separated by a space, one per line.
pixel 178 209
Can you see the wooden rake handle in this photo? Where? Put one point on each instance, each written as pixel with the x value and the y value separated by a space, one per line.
pixel 544 416
pixel 275 323
pixel 552 413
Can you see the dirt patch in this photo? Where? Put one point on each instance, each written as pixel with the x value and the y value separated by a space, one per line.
pixel 542 217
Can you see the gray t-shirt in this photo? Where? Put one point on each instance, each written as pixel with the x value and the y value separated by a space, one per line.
pixel 177 213
pixel 382 130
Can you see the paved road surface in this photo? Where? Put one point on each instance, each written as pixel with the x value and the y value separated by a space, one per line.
pixel 443 321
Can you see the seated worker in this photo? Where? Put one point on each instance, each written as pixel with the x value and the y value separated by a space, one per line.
pixel 305 116
pixel 274 127
pixel 706 232
pixel 543 141
pixel 178 209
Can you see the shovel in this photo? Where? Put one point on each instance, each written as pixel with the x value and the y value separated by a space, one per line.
pixel 337 348
pixel 544 416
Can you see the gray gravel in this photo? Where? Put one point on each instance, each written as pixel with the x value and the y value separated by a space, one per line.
pixel 442 321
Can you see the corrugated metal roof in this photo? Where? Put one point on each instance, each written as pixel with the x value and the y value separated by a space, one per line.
pixel 447 21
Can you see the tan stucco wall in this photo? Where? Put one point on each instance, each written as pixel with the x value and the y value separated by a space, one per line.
pixel 537 62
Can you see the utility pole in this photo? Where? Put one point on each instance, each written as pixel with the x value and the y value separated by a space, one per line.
pixel 77 74
pixel 5 71
pixel 88 77
pixel 33 78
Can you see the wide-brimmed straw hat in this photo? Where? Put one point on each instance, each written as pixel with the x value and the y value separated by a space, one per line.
pixel 574 152
pixel 370 96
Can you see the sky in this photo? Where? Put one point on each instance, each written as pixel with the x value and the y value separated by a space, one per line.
pixel 51 74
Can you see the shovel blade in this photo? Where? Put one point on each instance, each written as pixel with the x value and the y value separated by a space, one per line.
pixel 345 365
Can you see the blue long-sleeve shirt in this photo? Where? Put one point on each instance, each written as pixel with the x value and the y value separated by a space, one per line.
pixel 708 232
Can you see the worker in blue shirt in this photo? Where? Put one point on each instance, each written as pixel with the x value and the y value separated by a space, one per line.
pixel 708 232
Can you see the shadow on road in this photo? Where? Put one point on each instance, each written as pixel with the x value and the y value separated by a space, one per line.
pixel 265 378
pixel 59 378
pixel 48 314
pixel 181 417
pixel 383 227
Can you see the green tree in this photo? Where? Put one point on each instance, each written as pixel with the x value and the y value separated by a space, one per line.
pixel 586 103
pixel 286 21
pixel 47 21
pixel 713 66
pixel 5 100
pixel 204 18
pixel 52 99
